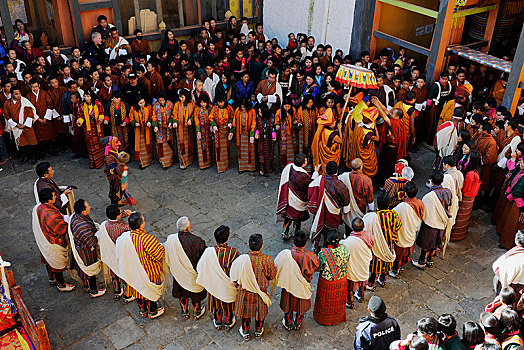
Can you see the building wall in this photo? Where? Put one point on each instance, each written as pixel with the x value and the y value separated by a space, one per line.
pixel 308 16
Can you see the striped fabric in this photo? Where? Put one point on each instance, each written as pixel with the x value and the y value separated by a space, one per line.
pixel 250 304
pixel 246 153
pixel 54 228
pixel 394 187
pixel 185 145
pixel 226 256
pixel 205 144
pixel 150 252
pixel 83 229
pixel 391 225
pixel 165 149
pixel 42 183
pixel 330 259
pixel 362 189
pixel 222 149
pixel 460 229
pixel 95 150
pixel 287 149
pixel 145 153
pixel 265 154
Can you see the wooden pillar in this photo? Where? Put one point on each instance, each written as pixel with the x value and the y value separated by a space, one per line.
pixel 6 19
pixel 490 27
pixel 138 20
pixel 440 40
pixel 159 10
pixel 375 26
pixel 362 27
pixel 181 14
pixel 513 92
pixel 75 10
pixel 118 16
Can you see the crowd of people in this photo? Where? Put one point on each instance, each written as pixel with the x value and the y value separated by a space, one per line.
pixel 195 96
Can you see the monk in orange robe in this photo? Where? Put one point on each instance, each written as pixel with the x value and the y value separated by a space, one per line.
pixel 326 143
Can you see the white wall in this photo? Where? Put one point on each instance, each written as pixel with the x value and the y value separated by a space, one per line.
pixel 282 17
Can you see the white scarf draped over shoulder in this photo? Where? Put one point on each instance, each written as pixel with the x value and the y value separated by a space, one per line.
pixel 352 211
pixel 212 277
pixel 108 249
pixel 360 256
pixel 509 268
pixel 292 199
pixel 90 270
pixel 55 255
pixel 410 225
pixel 180 265
pixel 132 270
pixel 380 248
pixel 289 276
pixel 242 273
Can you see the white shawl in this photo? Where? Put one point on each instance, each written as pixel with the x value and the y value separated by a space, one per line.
pixel 351 211
pixel 180 265
pixel 91 270
pixel 410 225
pixel 435 216
pixel 108 249
pixel 447 139
pixel 115 49
pixel 212 277
pixel 501 158
pixel 55 255
pixel 330 205
pixel 12 126
pixel 380 248
pixel 289 276
pixel 132 270
pixel 242 273
pixel 509 268
pixel 360 257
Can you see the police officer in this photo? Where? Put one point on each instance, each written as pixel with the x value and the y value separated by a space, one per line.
pixel 378 330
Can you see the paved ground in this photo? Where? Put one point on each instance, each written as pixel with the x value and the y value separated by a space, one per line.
pixel 460 284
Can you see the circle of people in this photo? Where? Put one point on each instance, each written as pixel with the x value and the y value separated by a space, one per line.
pixel 296 104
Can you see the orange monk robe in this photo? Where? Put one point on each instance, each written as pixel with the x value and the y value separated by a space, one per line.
pixel 447 112
pixel 357 141
pixel 498 90
pixel 324 147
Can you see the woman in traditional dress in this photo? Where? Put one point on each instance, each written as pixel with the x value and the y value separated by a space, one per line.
pixel 118 118
pixel 92 117
pixel 203 130
pixel 183 124
pixel 284 123
pixel 330 301
pixel 225 88
pixel 466 151
pixel 265 135
pixel 221 121
pixel 511 207
pixel 306 119
pixel 140 116
pixel 469 192
pixel 244 125
pixel 162 114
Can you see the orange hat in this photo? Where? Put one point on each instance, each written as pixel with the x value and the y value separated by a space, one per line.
pixel 327 118
pixel 465 90
pixel 356 99
pixel 370 113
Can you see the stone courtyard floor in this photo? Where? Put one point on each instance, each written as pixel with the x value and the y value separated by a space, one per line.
pixel 459 284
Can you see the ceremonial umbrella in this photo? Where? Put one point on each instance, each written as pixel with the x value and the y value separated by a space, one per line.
pixel 359 77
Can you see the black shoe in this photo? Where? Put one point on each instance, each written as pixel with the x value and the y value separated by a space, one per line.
pixel 23 160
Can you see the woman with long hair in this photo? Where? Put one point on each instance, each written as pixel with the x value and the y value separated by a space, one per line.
pixel 466 151
pixel 463 138
pixel 140 118
pixel 469 192
pixel 203 130
pixel 224 87
pixel 284 123
pixel 306 122
pixel 161 122
pixel 330 301
pixel 183 124
pixel 221 122
pixel 265 135
pixel 92 117
pixel 244 126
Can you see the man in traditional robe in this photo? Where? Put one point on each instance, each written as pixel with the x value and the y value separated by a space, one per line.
pixel 20 115
pixel 447 136
pixel 359 245
pixel 393 139
pixel 360 136
pixel 252 274
pixel 508 268
pixel 508 145
pixel 118 46
pixel 183 251
pixel 326 142
pixel 410 212
pixel 113 228
pixel 269 91
pixel 55 92
pixel 453 180
pixel 360 188
pixel 157 84
pixel 45 180
pixel 386 236
pixel 410 113
pixel 295 269
pixel 327 195
pixel 487 146
pixel 50 231
pixel 140 264
pixel 213 274
pixel 113 168
pixel 44 128
pixel 436 218
pixel 82 231
pixel 394 185
pixel 292 195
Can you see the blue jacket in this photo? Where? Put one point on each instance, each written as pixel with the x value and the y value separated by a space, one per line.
pixel 374 333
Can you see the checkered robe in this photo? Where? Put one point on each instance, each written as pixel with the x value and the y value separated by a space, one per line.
pixel 53 226
pixel 226 255
pixel 251 304
pixel 83 229
pixel 308 263
pixel 194 248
